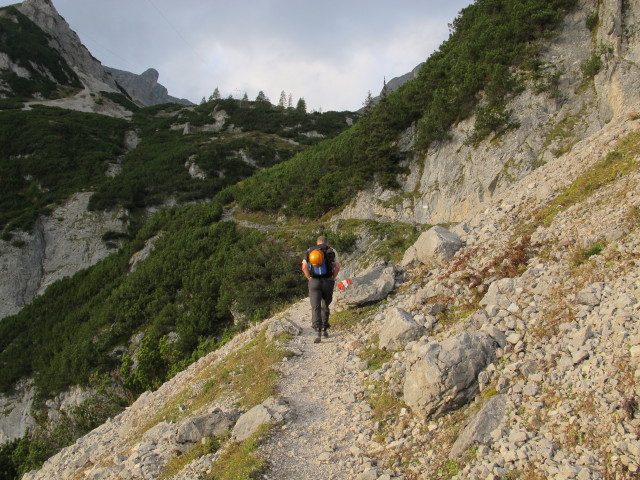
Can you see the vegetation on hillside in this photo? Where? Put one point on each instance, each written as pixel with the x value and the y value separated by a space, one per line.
pixel 201 270
pixel 47 153
pixel 491 42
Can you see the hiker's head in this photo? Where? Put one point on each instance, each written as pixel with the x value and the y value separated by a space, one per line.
pixel 321 240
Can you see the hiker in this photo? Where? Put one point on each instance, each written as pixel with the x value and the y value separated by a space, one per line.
pixel 320 265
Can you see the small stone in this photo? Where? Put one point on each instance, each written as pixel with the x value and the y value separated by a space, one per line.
pixel 324 457
pixel 514 338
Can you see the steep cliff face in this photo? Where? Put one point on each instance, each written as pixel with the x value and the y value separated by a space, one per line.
pixel 67 42
pixel 63 243
pixel 455 177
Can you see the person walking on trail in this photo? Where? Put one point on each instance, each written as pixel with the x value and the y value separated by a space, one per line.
pixel 320 265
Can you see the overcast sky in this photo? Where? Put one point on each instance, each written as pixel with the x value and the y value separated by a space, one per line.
pixel 330 52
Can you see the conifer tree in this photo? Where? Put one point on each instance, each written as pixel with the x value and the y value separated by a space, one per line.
pixel 282 103
pixel 301 106
pixel 385 90
pixel 245 97
pixel 261 97
pixel 368 103
pixel 290 101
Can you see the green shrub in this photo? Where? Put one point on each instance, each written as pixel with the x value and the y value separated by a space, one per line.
pixel 592 21
pixel 592 66
pixel 582 255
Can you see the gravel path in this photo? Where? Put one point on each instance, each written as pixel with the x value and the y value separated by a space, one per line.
pixel 330 424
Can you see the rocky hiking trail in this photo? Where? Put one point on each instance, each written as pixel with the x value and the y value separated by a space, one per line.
pixel 322 385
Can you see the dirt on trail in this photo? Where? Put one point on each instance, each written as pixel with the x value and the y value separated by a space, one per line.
pixel 330 420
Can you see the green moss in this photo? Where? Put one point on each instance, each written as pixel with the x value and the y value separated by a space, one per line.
pixel 582 255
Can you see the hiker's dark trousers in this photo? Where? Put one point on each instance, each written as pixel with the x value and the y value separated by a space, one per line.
pixel 320 294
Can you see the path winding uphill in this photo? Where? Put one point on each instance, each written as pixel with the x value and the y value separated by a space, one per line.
pixel 330 425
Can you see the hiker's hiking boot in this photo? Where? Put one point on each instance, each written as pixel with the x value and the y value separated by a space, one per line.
pixel 326 333
pixel 318 339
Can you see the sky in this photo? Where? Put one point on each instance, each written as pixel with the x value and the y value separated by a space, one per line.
pixel 329 52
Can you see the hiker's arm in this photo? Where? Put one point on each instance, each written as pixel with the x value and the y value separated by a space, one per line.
pixel 305 270
pixel 336 270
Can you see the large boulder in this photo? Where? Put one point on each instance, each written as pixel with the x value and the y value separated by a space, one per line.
pixel 213 424
pixel 444 376
pixel 433 247
pixel 371 287
pixel 479 429
pixel 398 329
pixel 272 410
pixel 282 326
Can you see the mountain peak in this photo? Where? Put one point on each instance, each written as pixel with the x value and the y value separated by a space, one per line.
pixel 145 88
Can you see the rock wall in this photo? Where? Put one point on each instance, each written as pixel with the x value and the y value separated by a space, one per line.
pixel 453 178
pixel 16 417
pixel 61 244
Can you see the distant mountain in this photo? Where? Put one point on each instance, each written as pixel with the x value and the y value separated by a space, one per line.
pixel 145 88
pixel 50 65
pixel 396 82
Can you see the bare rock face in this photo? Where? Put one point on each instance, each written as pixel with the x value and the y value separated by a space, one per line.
pixel 63 243
pixel 67 42
pixel 16 416
pixel 145 87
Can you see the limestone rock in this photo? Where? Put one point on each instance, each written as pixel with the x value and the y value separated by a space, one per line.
pixel 213 424
pixel 433 247
pixel 145 87
pixel 480 427
pixel 443 376
pixel 67 42
pixel 16 416
pixel 372 286
pixel 63 243
pixel 280 326
pixel 399 328
pixel 270 411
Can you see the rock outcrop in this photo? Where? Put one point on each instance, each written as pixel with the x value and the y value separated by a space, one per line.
pixel 67 42
pixel 452 178
pixel 144 88
pixel 63 243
